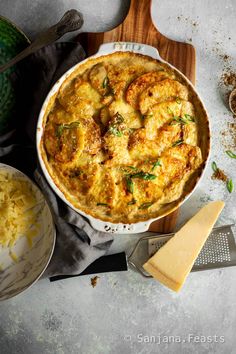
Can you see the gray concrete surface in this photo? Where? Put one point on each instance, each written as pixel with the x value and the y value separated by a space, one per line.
pixel 125 313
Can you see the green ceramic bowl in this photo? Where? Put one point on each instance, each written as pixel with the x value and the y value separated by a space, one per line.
pixel 12 41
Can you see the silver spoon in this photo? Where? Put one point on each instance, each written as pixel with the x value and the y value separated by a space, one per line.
pixel 71 21
pixel 232 97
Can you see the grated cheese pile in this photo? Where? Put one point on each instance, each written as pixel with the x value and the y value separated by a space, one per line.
pixel 17 215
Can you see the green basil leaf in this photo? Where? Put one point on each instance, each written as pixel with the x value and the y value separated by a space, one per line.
pixel 178 142
pixel 214 166
pixel 132 202
pixel 132 167
pixel 105 82
pixel 157 163
pixel 115 131
pixel 144 175
pixel 145 205
pixel 170 111
pixel 120 118
pixel 230 185
pixel 62 127
pixel 130 185
pixel 189 118
pixel 231 154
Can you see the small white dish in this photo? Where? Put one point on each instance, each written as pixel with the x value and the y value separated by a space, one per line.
pixel 17 276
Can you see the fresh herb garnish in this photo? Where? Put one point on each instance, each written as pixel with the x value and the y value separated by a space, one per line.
pixel 170 111
pixel 115 131
pixel 144 175
pixel 145 205
pixel 189 118
pixel 119 118
pixel 62 127
pixel 130 184
pixel 178 142
pixel 132 202
pixel 214 166
pixel 114 128
pixel 177 120
pixel 105 83
pixel 132 167
pixel 182 120
pixel 231 154
pixel 230 185
pixel 102 204
pixel 150 115
pixel 157 163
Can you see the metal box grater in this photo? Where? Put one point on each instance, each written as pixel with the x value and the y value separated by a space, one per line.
pixel 219 250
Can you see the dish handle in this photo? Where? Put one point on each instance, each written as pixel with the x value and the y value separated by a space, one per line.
pixel 145 49
pixel 119 228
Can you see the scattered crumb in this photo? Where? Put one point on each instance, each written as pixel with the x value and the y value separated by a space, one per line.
pixel 220 175
pixel 228 136
pixel 229 78
pixel 192 22
pixel 225 57
pixel 190 39
pixel 94 281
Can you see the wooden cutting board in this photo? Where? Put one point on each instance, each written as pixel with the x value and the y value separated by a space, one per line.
pixel 138 27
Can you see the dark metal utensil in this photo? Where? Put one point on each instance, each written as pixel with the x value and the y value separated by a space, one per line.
pixel 71 21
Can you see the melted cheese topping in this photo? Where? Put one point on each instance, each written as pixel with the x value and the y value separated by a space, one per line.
pixel 125 138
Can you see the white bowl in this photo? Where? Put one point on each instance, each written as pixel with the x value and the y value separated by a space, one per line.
pixel 17 276
pixel 98 224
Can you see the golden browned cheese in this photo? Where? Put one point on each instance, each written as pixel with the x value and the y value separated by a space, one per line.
pixel 125 138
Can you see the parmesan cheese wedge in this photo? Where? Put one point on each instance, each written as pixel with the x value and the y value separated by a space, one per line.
pixel 174 261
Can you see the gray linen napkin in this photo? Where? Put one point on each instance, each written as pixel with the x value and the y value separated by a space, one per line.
pixel 77 243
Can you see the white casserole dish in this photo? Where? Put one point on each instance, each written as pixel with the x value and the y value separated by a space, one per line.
pixel 97 224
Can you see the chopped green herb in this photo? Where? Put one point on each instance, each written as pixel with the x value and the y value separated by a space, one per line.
pixel 62 127
pixel 169 110
pixel 144 175
pixel 230 185
pixel 182 120
pixel 145 205
pixel 102 204
pixel 147 115
pixel 112 92
pixel 105 83
pixel 178 100
pixel 214 166
pixel 59 130
pixel 178 142
pixel 157 163
pixel 177 120
pixel 130 185
pixel 132 202
pixel 189 118
pixel 231 154
pixel 132 167
pixel 119 118
pixel 115 131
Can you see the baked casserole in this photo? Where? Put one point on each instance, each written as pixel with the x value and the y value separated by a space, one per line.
pixel 125 138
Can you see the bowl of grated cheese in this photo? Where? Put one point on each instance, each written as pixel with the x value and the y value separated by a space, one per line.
pixel 27 232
